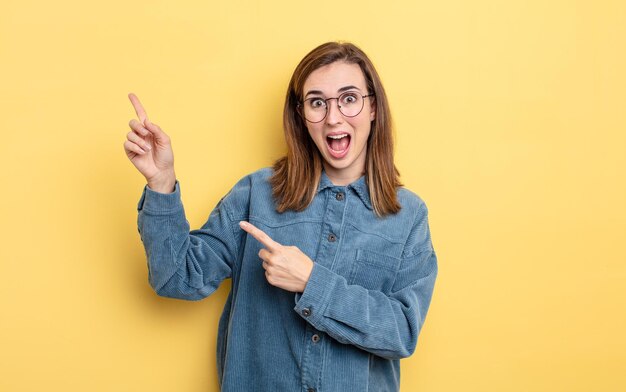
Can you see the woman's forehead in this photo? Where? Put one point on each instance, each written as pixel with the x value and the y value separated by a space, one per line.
pixel 334 78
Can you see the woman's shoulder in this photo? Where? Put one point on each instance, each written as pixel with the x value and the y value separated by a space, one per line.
pixel 409 198
pixel 411 202
pixel 252 185
pixel 256 179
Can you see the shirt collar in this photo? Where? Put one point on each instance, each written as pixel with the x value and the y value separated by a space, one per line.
pixel 359 187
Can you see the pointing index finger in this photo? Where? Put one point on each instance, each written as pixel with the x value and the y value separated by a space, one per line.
pixel 260 235
pixel 141 112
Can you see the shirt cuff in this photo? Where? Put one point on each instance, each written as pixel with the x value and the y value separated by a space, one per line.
pixel 313 301
pixel 157 203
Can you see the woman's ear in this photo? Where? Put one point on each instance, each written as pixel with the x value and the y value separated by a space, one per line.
pixel 373 110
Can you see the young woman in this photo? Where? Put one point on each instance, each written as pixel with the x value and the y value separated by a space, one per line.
pixel 331 260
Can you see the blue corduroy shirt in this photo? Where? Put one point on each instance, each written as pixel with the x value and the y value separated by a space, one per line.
pixel 363 306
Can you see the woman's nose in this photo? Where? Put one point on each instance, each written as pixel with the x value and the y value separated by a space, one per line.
pixel 334 115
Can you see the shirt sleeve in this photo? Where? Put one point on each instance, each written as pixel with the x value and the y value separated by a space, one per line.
pixel 387 325
pixel 183 264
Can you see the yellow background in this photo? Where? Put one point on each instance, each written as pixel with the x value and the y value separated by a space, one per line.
pixel 510 123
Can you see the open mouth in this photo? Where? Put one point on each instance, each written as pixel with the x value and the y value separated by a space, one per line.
pixel 338 144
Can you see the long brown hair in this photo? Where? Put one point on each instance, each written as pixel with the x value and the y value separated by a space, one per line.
pixel 296 175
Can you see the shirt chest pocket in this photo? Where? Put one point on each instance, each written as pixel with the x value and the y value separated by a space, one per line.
pixel 374 271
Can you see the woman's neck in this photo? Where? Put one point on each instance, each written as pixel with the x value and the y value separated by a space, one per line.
pixel 342 177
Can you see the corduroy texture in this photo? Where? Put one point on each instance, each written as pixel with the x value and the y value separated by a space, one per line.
pixel 361 311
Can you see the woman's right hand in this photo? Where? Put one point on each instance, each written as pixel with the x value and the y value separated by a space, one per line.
pixel 150 150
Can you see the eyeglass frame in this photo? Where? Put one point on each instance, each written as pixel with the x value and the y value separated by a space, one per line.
pixel 301 109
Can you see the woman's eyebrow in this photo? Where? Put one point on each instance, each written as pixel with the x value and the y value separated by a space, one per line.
pixel 346 88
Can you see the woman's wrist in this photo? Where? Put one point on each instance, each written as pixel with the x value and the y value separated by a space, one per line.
pixel 164 184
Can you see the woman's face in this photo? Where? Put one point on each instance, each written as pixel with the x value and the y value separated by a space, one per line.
pixel 341 140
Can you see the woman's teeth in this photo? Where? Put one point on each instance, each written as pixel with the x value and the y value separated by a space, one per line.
pixel 338 143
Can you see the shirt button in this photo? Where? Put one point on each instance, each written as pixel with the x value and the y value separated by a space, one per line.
pixel 315 338
pixel 306 312
pixel 339 196
pixel 332 238
pixel 310 390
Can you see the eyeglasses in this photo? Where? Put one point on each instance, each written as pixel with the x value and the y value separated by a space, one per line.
pixel 315 109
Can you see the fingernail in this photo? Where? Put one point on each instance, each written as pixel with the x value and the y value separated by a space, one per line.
pixel 243 224
pixel 147 147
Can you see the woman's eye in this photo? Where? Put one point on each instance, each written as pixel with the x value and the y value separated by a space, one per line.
pixel 317 103
pixel 349 98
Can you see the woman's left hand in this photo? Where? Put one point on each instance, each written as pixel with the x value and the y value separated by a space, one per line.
pixel 285 267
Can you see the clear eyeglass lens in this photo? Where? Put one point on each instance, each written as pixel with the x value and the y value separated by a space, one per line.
pixel 350 105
